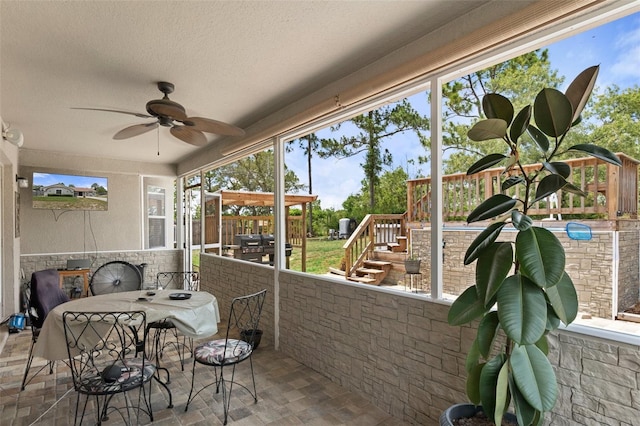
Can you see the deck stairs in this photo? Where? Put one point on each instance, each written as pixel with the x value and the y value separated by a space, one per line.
pixel 372 272
pixel 380 265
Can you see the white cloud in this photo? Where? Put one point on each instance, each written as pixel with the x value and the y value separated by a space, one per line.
pixel 628 64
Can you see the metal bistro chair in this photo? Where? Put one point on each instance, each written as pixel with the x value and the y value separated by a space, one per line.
pixel 244 319
pixel 42 296
pixel 158 330
pixel 104 363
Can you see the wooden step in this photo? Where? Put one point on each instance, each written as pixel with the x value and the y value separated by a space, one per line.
pixel 369 271
pixel 378 264
pixel 363 280
pixel 336 271
pixel 395 247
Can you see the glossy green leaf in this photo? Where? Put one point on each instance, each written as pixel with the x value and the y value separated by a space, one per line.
pixel 491 128
pixel 564 299
pixel 473 357
pixel 485 162
pixel 473 384
pixel 493 266
pixel 482 241
pixel 511 181
pixel 492 207
pixel 541 256
pixel 553 322
pixel 597 152
pixel 577 121
pixel 522 309
pixel 520 221
pixel 488 381
pixel 580 89
pixel 569 187
pixel 520 123
pixel 543 343
pixel 502 393
pixel 550 184
pixel 497 106
pixel 487 330
pixel 552 112
pixel 538 137
pixel 525 413
pixel 534 377
pixel 559 168
pixel 466 307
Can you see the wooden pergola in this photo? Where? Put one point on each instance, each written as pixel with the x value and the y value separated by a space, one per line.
pixel 263 199
pixel 295 235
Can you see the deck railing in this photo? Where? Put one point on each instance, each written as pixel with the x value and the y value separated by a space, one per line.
pixel 233 225
pixel 612 192
pixel 374 230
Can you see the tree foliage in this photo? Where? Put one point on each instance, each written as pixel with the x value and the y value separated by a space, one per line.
pixel 519 79
pixel 613 120
pixel 309 144
pixel 392 196
pixel 373 128
pixel 254 173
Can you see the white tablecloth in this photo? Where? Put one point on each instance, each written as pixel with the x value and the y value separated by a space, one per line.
pixel 195 317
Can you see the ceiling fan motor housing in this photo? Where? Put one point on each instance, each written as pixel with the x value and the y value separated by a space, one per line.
pixel 165 107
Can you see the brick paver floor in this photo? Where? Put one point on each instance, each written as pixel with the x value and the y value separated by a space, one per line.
pixel 288 394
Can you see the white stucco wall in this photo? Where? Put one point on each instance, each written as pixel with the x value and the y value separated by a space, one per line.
pixel 60 231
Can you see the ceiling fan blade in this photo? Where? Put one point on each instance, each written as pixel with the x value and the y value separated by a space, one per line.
pixel 135 130
pixel 137 114
pixel 190 136
pixel 167 108
pixel 213 126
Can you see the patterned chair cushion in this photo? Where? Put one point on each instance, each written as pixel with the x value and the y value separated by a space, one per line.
pixel 216 352
pixel 131 377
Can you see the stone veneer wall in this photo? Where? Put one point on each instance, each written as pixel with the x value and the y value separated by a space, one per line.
pixel 628 279
pixel 156 260
pixel 589 263
pixel 398 351
pixel 227 278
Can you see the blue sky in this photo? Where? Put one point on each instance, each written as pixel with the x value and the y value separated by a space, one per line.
pixel 46 179
pixel 614 46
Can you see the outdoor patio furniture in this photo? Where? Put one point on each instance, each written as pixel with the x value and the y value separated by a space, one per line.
pixel 230 351
pixel 104 362
pixel 44 294
pixel 158 330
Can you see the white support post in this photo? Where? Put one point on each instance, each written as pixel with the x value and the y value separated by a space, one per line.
pixel 436 188
pixel 279 212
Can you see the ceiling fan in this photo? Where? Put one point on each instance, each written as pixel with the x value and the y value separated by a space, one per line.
pixel 171 114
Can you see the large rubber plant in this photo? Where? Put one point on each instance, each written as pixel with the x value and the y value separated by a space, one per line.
pixel 522 291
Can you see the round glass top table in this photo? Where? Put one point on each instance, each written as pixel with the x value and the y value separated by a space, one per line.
pixel 196 317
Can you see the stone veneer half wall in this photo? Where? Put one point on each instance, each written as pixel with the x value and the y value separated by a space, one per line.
pixel 610 258
pixel 156 260
pixel 227 278
pixel 398 351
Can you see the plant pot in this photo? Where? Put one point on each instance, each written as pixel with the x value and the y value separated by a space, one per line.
pixel 247 336
pixel 462 411
pixel 412 266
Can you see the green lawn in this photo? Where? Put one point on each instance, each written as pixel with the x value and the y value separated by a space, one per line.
pixel 321 254
pixel 69 203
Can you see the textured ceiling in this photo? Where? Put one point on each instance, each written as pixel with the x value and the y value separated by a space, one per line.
pixel 234 61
